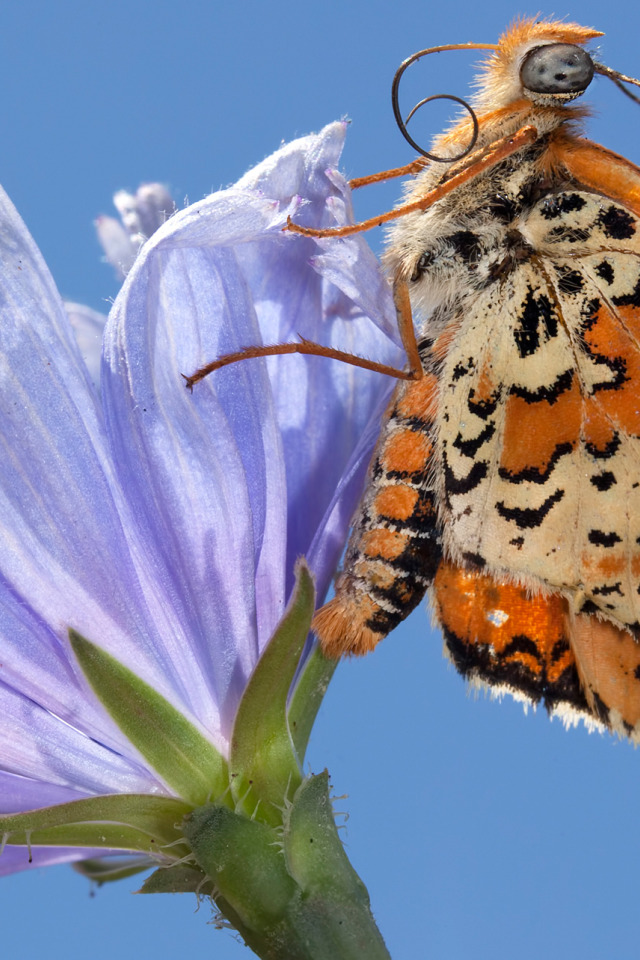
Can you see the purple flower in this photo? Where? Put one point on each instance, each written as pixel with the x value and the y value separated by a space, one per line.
pixel 162 525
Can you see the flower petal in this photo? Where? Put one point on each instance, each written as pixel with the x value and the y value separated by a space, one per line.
pixel 14 859
pixel 64 557
pixel 88 327
pixel 197 467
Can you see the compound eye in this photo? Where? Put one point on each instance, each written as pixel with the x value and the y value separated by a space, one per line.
pixel 557 68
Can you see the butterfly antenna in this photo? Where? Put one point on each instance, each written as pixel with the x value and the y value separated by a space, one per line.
pixel 402 124
pixel 619 79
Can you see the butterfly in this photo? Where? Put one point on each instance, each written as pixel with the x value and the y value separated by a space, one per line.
pixel 505 483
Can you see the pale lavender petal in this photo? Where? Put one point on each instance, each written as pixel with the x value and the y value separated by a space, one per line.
pixel 88 327
pixel 329 308
pixel 18 792
pixel 219 276
pixel 15 859
pixel 64 556
pixel 198 468
pixel 38 745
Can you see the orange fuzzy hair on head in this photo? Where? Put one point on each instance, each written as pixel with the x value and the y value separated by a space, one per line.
pixel 499 82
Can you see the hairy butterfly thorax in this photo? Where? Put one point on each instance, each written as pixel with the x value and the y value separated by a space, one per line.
pixel 506 478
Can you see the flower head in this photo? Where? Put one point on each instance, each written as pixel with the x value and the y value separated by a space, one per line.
pixel 162 525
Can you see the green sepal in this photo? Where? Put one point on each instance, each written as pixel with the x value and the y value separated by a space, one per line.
pixel 312 847
pixel 178 878
pixel 244 860
pixel 187 762
pixel 109 869
pixel 307 696
pixel 118 821
pixel 333 916
pixel 263 763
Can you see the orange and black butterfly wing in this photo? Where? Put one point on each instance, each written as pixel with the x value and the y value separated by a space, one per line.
pixel 541 476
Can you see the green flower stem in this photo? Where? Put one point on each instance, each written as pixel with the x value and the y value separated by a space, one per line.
pixel 290 891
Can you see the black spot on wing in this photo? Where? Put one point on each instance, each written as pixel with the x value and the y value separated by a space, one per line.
pixel 536 319
pixel 529 517
pixel 605 271
pixel 570 281
pixel 568 234
pixel 607 590
pixel 562 383
pixel 474 560
pixel 457 485
pixel 589 607
pixel 616 223
pixel 534 474
pixel 463 369
pixel 603 481
pixel 602 538
pixel 604 453
pixel 469 448
pixel 560 203
pixel 629 299
pixel 482 408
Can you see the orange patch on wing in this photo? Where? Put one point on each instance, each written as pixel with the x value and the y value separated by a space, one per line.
pixel 442 344
pixel 484 387
pixel 481 610
pixel 397 501
pixel 597 429
pixel 532 431
pixel 406 451
pixel 608 338
pixel 630 316
pixel 604 566
pixel 608 662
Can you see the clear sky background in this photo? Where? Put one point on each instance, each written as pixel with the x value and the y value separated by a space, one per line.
pixel 480 832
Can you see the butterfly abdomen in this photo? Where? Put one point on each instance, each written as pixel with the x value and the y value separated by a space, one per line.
pixel 395 546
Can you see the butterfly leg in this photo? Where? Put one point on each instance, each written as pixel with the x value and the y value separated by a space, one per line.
pixel 307 347
pixel 410 168
pixel 472 167
pixel 598 168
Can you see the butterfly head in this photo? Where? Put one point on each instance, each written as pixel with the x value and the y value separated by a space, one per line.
pixel 541 61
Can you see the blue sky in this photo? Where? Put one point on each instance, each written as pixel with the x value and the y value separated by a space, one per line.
pixel 480 831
